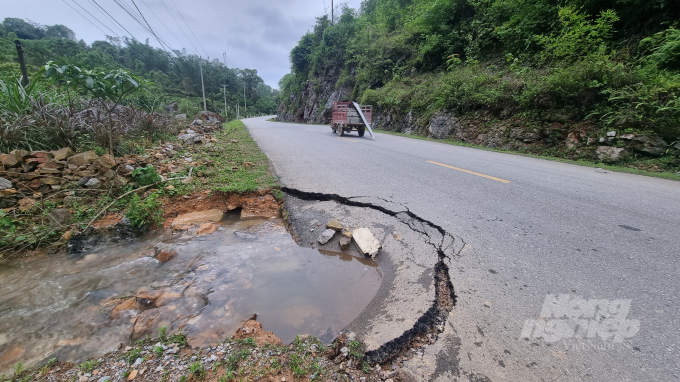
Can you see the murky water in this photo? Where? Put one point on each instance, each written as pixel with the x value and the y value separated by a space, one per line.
pixel 57 306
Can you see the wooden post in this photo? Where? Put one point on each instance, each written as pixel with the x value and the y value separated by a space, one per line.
pixel 22 62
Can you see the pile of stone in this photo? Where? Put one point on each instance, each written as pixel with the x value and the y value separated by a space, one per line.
pixel 198 133
pixel 26 176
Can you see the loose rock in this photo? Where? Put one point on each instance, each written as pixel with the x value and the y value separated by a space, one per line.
pixel 326 236
pixel 92 183
pixel 334 224
pixel 5 184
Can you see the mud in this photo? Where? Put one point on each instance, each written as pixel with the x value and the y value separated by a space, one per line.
pixel 84 304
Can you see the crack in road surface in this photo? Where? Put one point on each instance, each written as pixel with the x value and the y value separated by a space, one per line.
pixel 430 323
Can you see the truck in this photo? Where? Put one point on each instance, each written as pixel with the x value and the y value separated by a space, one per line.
pixel 350 116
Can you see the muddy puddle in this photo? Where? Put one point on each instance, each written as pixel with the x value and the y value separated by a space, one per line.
pixel 74 308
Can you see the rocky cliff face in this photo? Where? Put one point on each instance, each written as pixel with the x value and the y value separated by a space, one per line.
pixel 314 104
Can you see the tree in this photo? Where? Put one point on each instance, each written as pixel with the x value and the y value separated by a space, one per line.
pixel 108 88
pixel 60 31
pixel 23 29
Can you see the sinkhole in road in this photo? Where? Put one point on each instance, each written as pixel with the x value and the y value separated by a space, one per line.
pixel 73 308
pixel 432 322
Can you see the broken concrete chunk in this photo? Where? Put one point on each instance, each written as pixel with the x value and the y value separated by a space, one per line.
pixel 367 243
pixel 334 225
pixel 326 236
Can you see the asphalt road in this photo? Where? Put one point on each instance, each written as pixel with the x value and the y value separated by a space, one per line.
pixel 533 229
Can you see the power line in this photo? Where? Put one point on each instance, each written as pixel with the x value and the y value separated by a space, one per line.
pixel 95 25
pixel 191 30
pixel 102 9
pixel 180 27
pixel 88 12
pixel 106 15
pixel 150 58
pixel 161 21
pixel 147 23
pixel 132 14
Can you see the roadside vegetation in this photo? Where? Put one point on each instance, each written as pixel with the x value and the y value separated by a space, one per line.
pixel 232 163
pixel 540 66
pixel 259 356
pixel 125 102
pixel 171 77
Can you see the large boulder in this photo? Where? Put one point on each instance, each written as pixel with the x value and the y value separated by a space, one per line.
pixel 83 158
pixel 442 124
pixel 611 153
pixel 653 146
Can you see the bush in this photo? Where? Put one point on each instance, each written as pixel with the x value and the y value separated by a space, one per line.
pixel 145 176
pixel 145 213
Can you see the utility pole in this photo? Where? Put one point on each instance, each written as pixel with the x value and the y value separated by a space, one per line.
pixel 22 63
pixel 200 64
pixel 238 115
pixel 245 102
pixel 332 13
pixel 224 55
pixel 225 102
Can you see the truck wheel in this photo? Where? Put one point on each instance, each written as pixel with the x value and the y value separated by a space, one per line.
pixel 340 131
pixel 361 131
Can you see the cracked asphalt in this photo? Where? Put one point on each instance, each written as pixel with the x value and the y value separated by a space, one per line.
pixel 526 229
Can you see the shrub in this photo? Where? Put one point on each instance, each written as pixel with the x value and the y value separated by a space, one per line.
pixel 144 213
pixel 145 176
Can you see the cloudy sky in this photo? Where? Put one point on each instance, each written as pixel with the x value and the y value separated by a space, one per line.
pixel 256 34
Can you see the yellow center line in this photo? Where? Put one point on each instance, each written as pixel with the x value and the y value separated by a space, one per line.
pixel 470 172
pixel 347 139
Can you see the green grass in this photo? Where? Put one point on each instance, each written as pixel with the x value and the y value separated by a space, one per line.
pixel 610 167
pixel 88 366
pixel 240 166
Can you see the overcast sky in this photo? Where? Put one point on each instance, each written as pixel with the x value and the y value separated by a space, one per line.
pixel 255 34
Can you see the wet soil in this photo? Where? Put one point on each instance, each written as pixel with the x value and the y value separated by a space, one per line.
pixel 254 205
pixel 74 307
